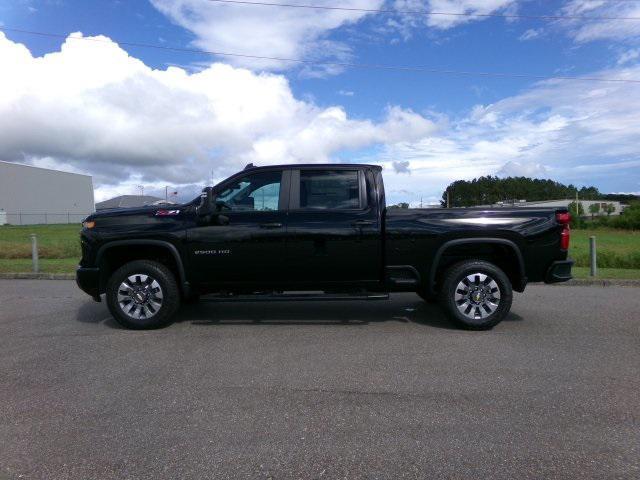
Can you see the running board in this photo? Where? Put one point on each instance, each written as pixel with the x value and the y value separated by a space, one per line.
pixel 293 297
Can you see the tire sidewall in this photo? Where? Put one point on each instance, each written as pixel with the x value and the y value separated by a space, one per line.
pixel 456 273
pixel 160 273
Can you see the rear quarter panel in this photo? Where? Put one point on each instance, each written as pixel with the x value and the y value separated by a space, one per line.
pixel 412 237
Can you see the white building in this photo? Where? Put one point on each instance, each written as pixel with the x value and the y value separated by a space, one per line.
pixel 586 204
pixel 33 195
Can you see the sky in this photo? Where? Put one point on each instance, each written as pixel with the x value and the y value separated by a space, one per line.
pixel 89 100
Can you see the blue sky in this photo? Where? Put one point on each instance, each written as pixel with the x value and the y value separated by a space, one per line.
pixel 425 129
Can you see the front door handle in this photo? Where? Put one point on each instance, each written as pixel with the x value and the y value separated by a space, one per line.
pixel 271 225
pixel 362 223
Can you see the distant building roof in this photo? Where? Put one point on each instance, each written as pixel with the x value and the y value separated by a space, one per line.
pixel 33 167
pixel 127 201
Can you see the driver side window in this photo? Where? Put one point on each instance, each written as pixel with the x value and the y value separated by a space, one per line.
pixel 258 192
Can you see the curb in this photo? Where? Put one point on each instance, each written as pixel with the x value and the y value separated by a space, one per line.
pixel 576 282
pixel 37 276
pixel 601 282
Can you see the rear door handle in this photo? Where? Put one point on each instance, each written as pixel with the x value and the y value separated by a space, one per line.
pixel 362 223
pixel 271 225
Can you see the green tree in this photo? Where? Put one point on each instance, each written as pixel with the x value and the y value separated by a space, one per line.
pixel 489 190
pixel 577 212
pixel 594 209
pixel 400 205
pixel 609 208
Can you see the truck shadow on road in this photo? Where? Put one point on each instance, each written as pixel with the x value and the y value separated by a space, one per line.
pixel 347 313
pixel 318 313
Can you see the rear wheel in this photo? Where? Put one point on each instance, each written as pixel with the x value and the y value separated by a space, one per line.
pixel 142 295
pixel 476 294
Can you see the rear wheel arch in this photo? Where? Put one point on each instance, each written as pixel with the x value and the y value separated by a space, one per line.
pixel 504 253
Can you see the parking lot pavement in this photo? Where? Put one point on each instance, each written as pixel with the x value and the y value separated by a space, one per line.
pixel 320 390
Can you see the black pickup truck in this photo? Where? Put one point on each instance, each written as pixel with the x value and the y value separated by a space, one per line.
pixel 317 232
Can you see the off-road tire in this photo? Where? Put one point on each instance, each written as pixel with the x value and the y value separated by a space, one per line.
pixel 165 281
pixel 455 308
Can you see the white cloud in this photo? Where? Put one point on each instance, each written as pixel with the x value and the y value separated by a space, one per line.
pixel 476 7
pixel 92 107
pixel 530 34
pixel 586 31
pixel 266 31
pixel 573 132
pixel 629 56
pixel 406 22
pixel 519 169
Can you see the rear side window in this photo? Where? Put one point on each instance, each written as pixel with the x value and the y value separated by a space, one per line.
pixel 329 189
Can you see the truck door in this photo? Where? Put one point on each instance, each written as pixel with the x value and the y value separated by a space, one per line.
pixel 244 244
pixel 334 233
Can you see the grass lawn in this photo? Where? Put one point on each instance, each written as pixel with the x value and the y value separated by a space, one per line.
pixel 609 273
pixel 59 250
pixel 615 248
pixel 54 241
pixel 47 265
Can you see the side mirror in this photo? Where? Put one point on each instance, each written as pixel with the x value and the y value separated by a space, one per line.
pixel 207 202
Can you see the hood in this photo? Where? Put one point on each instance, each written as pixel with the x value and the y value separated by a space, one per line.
pixel 153 214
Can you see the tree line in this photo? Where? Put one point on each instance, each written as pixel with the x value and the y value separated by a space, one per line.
pixel 489 190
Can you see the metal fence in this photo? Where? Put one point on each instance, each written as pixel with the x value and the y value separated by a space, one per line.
pixel 44 218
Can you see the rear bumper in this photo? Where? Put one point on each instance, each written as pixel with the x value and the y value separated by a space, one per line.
pixel 88 279
pixel 559 271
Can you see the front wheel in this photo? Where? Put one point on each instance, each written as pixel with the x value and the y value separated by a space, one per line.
pixel 476 294
pixel 142 295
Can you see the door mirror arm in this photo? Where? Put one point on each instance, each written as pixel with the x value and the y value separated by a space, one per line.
pixel 207 202
pixel 209 209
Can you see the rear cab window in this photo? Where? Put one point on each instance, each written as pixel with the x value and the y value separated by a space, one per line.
pixel 331 190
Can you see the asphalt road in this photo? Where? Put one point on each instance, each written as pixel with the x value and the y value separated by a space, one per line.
pixel 320 390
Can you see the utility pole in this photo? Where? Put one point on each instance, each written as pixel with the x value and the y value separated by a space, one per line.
pixel 166 193
pixel 448 201
pixel 420 202
pixel 141 188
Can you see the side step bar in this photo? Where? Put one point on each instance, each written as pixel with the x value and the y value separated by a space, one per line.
pixel 293 297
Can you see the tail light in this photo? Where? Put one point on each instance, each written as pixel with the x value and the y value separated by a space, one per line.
pixel 564 219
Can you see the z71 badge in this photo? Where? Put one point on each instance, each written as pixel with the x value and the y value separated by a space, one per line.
pixel 212 252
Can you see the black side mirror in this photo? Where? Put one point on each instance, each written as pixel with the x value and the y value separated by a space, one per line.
pixel 207 202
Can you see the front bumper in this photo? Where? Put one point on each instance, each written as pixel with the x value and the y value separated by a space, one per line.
pixel 559 271
pixel 88 279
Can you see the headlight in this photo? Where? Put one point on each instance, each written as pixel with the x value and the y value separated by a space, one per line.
pixel 90 224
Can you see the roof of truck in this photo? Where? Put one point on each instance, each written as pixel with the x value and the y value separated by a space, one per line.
pixel 251 166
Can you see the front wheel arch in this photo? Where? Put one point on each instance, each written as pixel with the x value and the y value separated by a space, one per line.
pixel 114 254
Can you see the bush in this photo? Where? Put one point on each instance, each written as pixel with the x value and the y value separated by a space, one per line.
pixel 608 259
pixel 629 220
